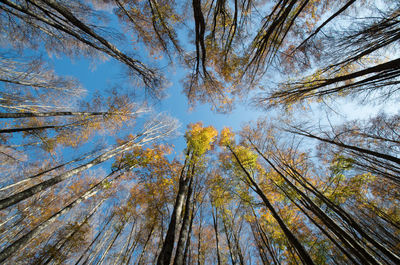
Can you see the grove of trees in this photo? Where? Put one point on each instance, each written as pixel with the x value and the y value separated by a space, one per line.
pixel 90 176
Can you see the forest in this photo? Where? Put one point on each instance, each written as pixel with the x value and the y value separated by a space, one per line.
pixel 101 161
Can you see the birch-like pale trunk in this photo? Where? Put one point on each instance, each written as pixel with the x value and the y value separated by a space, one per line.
pixel 101 231
pixel 15 198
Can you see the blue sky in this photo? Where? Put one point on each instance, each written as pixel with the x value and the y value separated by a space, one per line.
pixel 99 76
pixel 106 74
pixel 109 73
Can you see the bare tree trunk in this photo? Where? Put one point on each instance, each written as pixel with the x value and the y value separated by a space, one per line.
pixel 95 239
pixel 125 247
pixel 183 235
pixel 43 172
pixel 341 10
pixel 145 245
pixel 18 244
pixel 109 246
pixel 228 240
pixel 356 248
pixel 189 237
pixel 15 198
pixel 351 147
pixel 215 222
pixel 82 33
pixel 50 114
pixel 166 252
pixel 68 237
pixel 304 256
pixel 349 220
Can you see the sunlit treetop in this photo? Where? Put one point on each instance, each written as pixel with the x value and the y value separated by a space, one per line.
pixel 200 139
pixel 246 157
pixel 227 137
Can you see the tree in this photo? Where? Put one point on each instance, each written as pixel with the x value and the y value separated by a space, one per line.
pixel 92 178
pixel 240 155
pixel 362 72
pixel 199 141
pixel 62 25
pixel 295 168
pixel 363 143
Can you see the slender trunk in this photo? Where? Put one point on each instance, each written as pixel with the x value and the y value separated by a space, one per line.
pixel 166 252
pixel 238 249
pixel 15 198
pixel 341 10
pixel 125 247
pixel 324 231
pixel 215 222
pixel 145 246
pixel 95 239
pixel 304 256
pixel 179 255
pixel 188 241
pixel 92 256
pixel 22 241
pixel 260 248
pixel 380 68
pixel 228 240
pixel 356 248
pixel 109 246
pixel 348 219
pixel 131 250
pixel 81 34
pixel 60 244
pixel 354 148
pixel 264 238
pixel 43 172
pixel 28 129
pixel 199 250
pixel 17 115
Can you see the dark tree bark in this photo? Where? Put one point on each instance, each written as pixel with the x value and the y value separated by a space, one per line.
pixel 304 256
pixel 183 235
pixel 166 252
pixel 19 243
pixel 16 115
pixel 57 16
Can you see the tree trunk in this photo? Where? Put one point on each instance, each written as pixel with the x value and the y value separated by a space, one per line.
pixel 341 10
pixel 83 33
pixel 166 252
pixel 95 239
pixel 188 241
pixel 68 237
pixel 349 220
pixel 145 246
pixel 356 248
pixel 18 244
pixel 351 147
pixel 183 235
pixel 215 222
pixel 42 173
pixel 15 198
pixel 264 239
pixel 109 246
pixel 228 240
pixel 49 114
pixel 125 247
pixel 304 256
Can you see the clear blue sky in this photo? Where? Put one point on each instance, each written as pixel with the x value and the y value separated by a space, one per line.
pixel 108 73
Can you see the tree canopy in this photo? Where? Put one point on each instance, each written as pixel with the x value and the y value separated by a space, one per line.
pixel 90 174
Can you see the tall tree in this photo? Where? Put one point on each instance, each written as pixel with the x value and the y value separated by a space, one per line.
pixel 64 27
